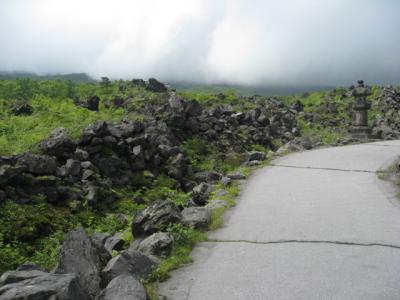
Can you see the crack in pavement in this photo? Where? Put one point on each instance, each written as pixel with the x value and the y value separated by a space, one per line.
pixel 327 169
pixel 383 145
pixel 344 243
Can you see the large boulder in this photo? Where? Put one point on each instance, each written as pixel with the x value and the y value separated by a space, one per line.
pixel 29 266
pixel 81 256
pixel 158 244
pixel 39 164
pixel 17 276
pixel 193 108
pixel 114 243
pixel 21 109
pixel 72 167
pixel 43 286
pixel 196 217
pixel 157 215
pixel 155 86
pixel 237 175
pixel 92 103
pixel 99 192
pixel 216 205
pixel 138 82
pixel 8 172
pixel 81 155
pixel 208 176
pixel 3 196
pixel 59 144
pixel 167 151
pixel 298 106
pixel 98 129
pixel 99 239
pixel 178 166
pixel 127 128
pixel 128 262
pixel 201 193
pixel 111 166
pixel 255 155
pixel 123 287
pixel 176 103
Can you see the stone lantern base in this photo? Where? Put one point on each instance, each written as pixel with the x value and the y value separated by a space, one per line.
pixel 360 132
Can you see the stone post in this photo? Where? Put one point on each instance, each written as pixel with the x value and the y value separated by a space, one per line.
pixel 360 129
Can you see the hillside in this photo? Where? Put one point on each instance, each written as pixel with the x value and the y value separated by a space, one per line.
pixel 97 154
pixel 74 77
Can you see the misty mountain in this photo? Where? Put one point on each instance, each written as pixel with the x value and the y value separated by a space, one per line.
pixel 74 77
pixel 263 90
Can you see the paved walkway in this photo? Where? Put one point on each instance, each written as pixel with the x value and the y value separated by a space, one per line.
pixel 316 225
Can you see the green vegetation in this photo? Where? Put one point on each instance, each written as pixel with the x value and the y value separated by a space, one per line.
pixel 205 156
pixel 35 231
pixel 53 106
pixel 229 197
pixel 389 174
pixel 19 134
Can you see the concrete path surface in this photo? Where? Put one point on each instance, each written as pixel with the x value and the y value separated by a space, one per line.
pixel 315 225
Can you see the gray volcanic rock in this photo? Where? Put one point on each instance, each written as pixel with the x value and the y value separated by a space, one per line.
pixel 175 102
pixel 8 172
pixel 128 262
pixel 226 181
pixel 38 164
pixel 216 205
pixel 158 214
pixel 114 243
pixel 196 217
pixel 21 109
pixel 81 256
pixel 44 286
pixel 298 106
pixel 201 193
pixel 72 167
pixel 123 287
pixel 92 103
pixel 155 86
pixel 157 244
pixel 138 82
pixel 29 266
pixel 81 155
pixel 99 238
pixel 208 176
pixel 255 155
pixel 17 276
pixel 237 176
pixel 193 108
pixel 98 129
pixel 58 144
pixel 178 167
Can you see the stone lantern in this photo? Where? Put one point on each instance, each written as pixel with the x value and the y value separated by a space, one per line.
pixel 360 129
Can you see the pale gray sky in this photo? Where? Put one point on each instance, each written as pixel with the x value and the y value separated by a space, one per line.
pixel 232 41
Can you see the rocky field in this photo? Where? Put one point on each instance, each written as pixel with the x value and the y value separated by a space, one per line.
pixel 110 183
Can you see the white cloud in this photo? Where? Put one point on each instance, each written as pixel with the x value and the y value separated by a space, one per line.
pixel 234 41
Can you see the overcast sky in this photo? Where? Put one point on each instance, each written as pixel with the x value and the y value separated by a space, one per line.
pixel 283 42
